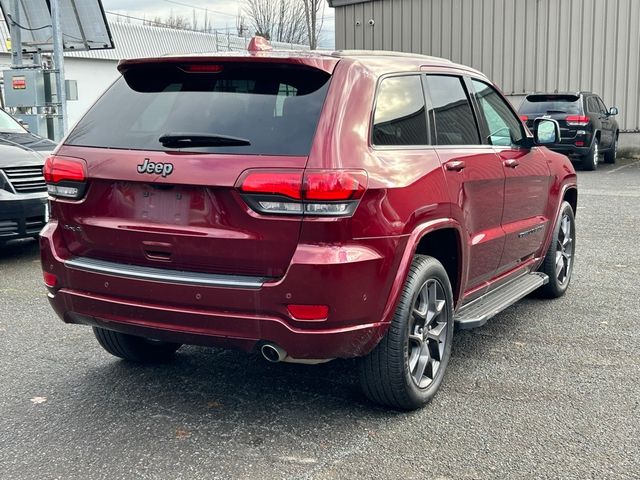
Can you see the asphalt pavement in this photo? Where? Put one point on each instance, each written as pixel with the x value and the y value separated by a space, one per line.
pixel 547 389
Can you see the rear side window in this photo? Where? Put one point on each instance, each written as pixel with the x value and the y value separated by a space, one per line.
pixel 273 110
pixel 454 120
pixel 550 104
pixel 592 105
pixel 400 117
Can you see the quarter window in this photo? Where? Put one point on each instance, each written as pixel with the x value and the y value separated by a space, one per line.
pixel 454 120
pixel 504 128
pixel 400 117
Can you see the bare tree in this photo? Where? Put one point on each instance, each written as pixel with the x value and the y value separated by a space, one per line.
pixel 172 21
pixel 314 20
pixel 278 20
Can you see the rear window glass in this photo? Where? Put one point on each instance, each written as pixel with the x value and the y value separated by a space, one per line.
pixel 550 104
pixel 243 109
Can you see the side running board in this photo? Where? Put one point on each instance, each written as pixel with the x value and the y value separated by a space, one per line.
pixel 476 313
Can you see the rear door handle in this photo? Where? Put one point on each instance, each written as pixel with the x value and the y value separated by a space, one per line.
pixel 511 163
pixel 455 166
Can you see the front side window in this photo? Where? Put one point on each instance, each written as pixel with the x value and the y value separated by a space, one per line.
pixel 451 110
pixel 602 108
pixel 400 117
pixel 504 128
pixel 8 124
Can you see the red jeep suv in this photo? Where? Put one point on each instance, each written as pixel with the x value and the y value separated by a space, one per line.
pixel 307 206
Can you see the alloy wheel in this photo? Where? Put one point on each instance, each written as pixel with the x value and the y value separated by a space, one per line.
pixel 596 154
pixel 564 250
pixel 428 333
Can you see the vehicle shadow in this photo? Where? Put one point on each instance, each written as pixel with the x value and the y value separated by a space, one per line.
pixel 19 250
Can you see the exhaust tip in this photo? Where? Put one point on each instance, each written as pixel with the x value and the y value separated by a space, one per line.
pixel 273 353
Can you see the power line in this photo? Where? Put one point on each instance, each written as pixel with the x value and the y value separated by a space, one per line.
pixel 153 23
pixel 199 8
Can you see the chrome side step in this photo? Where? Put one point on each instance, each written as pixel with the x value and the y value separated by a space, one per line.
pixel 476 313
pixel 164 275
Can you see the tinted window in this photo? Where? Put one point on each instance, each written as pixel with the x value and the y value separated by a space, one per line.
pixel 603 109
pixel 400 117
pixel 592 105
pixel 455 123
pixel 504 127
pixel 549 104
pixel 276 109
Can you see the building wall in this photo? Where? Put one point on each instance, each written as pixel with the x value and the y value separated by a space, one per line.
pixel 523 45
pixel 93 77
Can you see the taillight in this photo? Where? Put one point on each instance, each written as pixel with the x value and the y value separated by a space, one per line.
pixel 577 120
pixel 314 192
pixel 524 118
pixel 65 177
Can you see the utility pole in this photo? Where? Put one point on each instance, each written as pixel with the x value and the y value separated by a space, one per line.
pixel 58 58
pixel 16 36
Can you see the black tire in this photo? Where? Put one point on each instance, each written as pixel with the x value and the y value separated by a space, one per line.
pixel 135 349
pixel 590 160
pixel 386 374
pixel 562 249
pixel 611 155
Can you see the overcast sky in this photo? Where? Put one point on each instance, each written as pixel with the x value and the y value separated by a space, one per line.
pixel 222 12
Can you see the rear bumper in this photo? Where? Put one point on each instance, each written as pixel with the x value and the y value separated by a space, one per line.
pixel 353 280
pixel 21 217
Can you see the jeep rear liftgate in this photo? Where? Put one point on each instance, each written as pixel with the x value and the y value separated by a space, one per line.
pixel 159 186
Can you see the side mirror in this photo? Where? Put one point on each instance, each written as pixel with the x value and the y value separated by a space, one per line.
pixel 613 111
pixel 24 124
pixel 546 131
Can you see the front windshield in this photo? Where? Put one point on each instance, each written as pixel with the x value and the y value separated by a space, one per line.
pixel 8 124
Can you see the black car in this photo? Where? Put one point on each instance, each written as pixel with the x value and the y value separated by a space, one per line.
pixel 23 192
pixel 587 128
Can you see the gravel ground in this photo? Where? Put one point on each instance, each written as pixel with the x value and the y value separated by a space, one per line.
pixel 547 389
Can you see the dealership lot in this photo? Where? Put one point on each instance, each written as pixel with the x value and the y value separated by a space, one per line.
pixel 544 389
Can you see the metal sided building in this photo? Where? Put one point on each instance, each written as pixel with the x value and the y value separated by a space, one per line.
pixel 523 45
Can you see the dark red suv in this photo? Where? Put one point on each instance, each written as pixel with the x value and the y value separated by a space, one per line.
pixel 307 206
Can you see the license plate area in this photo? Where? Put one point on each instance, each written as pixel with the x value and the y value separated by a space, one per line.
pixel 164 205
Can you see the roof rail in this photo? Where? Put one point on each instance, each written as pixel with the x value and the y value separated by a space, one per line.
pixel 385 53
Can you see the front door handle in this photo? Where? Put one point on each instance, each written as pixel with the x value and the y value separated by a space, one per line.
pixel 455 166
pixel 511 163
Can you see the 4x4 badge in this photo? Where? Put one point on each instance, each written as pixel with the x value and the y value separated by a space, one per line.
pixel 153 168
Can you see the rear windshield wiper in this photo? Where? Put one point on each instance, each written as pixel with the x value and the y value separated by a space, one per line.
pixel 192 140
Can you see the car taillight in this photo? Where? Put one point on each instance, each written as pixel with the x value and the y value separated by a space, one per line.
pixel 524 118
pixel 580 120
pixel 313 192
pixel 65 177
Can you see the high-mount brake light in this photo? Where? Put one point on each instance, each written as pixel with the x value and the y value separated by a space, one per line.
pixel 580 120
pixel 314 193
pixel 202 68
pixel 65 177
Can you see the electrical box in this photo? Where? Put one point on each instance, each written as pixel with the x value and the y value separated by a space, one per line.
pixel 72 89
pixel 25 88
